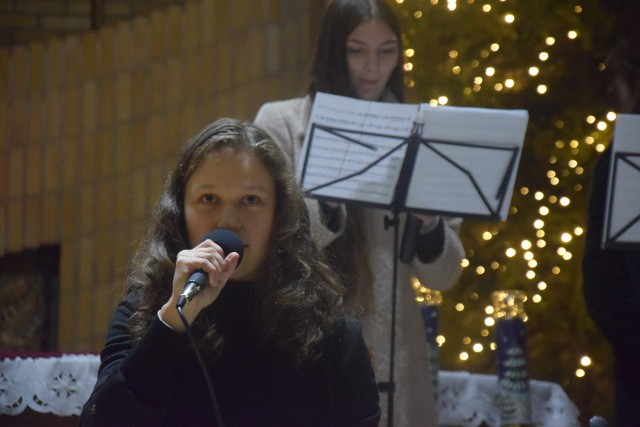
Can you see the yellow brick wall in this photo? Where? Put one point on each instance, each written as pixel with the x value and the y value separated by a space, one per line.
pixel 25 21
pixel 89 125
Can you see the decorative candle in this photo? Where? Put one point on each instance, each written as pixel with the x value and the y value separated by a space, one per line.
pixel 513 376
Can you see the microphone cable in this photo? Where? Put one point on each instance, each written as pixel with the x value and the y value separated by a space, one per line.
pixel 203 367
pixel 229 242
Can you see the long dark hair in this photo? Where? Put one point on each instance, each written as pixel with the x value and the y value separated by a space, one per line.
pixel 329 72
pixel 300 297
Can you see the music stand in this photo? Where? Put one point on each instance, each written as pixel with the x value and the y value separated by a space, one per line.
pixel 366 153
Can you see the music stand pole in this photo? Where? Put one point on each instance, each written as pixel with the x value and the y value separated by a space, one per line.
pixel 393 222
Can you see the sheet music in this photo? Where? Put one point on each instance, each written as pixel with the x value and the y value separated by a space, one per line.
pixel 467 161
pixel 357 149
pixel 622 212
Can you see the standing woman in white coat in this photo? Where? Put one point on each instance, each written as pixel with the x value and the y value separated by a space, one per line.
pixel 359 54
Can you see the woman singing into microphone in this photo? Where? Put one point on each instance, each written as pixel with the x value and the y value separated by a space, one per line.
pixel 276 345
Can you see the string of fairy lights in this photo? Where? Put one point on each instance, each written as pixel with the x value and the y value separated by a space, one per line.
pixel 529 250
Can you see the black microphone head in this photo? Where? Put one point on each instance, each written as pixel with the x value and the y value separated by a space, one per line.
pixel 227 240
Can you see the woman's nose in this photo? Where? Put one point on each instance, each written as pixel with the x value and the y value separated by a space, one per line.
pixel 229 218
pixel 372 60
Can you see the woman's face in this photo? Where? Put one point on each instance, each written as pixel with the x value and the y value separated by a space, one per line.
pixel 373 51
pixel 234 191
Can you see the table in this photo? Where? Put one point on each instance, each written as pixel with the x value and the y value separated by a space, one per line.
pixel 60 385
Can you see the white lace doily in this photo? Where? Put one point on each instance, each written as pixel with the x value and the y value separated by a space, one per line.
pixel 58 385
pixel 468 400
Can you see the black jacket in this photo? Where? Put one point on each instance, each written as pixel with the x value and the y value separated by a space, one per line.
pixel 158 381
pixel 611 290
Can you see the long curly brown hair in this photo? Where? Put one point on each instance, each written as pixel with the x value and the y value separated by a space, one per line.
pixel 300 296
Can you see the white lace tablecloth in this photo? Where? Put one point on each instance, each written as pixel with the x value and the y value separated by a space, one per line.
pixel 468 400
pixel 61 385
pixel 57 385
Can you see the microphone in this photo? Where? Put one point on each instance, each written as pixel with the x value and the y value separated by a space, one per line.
pixel 229 242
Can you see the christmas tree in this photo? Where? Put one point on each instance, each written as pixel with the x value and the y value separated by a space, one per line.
pixel 545 56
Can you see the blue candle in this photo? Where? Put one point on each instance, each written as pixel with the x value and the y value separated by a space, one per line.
pixel 511 343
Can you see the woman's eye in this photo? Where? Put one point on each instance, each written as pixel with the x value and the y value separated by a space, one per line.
pixel 389 51
pixel 354 51
pixel 208 198
pixel 252 200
